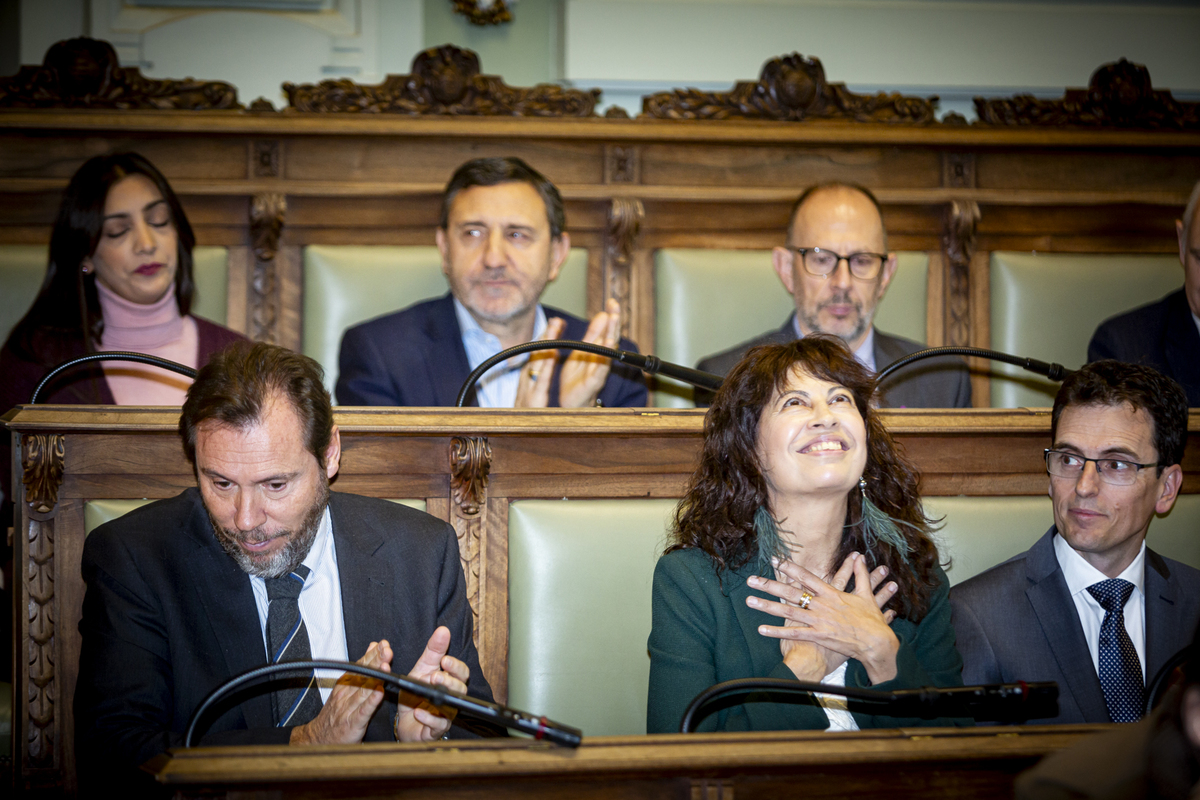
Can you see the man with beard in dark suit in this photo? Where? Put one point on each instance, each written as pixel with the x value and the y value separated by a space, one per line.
pixel 838 224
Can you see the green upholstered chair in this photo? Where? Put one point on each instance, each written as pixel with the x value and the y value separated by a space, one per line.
pixel 345 285
pixel 1048 305
pixel 22 268
pixel 707 301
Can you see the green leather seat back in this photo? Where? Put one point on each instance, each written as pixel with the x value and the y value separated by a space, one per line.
pixel 1048 305
pixel 23 267
pixel 345 285
pixel 98 512
pixel 579 576
pixel 707 301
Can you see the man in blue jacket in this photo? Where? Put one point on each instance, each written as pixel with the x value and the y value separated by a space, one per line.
pixel 502 240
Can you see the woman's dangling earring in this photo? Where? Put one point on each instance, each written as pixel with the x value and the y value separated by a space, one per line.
pixel 877 526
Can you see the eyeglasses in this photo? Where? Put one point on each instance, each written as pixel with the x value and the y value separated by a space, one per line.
pixel 823 263
pixel 1111 470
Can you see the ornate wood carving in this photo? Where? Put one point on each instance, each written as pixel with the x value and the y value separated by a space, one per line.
pixel 444 80
pixel 265 158
pixel 624 224
pixel 85 73
pixel 958 170
pixel 496 13
pixel 42 461
pixel 40 645
pixel 793 88
pixel 267 212
pixel 470 463
pixel 1119 95
pixel 621 164
pixel 958 243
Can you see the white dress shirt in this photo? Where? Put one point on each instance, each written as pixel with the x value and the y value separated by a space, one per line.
pixel 320 606
pixel 498 386
pixel 1080 575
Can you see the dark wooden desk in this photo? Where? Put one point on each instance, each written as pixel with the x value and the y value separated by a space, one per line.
pixel 919 763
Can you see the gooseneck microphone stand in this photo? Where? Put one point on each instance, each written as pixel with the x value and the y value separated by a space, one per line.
pixel 112 355
pixel 1055 372
pixel 538 727
pixel 649 364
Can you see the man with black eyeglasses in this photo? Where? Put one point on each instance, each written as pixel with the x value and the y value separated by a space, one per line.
pixel 836 267
pixel 1089 605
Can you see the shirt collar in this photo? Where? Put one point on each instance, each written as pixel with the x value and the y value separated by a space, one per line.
pixel 322 546
pixel 480 345
pixel 1079 574
pixel 865 353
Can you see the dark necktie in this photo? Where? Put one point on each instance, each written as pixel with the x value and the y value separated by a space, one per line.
pixel 300 699
pixel 1120 670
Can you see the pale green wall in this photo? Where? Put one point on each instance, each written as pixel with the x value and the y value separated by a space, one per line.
pixel 525 52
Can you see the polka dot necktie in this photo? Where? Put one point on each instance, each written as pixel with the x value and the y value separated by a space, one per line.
pixel 1120 670
pixel 299 701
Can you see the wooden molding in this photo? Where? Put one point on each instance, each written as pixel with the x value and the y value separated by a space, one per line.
pixel 470 464
pixel 85 73
pixel 267 212
pixel 444 80
pixel 794 88
pixel 625 217
pixel 1119 95
pixel 958 243
pixel 42 462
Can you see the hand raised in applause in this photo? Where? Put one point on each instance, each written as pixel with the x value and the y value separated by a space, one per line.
pixel 582 375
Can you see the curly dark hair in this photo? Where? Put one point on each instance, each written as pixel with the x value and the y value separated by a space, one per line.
pixel 727 489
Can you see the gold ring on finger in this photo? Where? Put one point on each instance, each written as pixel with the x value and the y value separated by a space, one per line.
pixel 805 599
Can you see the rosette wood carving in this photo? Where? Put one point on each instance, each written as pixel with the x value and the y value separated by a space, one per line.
pixel 85 73
pixel 470 463
pixel 958 243
pixel 624 224
pixel 1119 95
pixel 792 88
pixel 267 212
pixel 444 80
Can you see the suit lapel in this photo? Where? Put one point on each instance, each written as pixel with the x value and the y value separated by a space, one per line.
pixel 224 591
pixel 1181 345
pixel 1055 611
pixel 450 368
pixel 1167 632
pixel 363 577
pixel 763 650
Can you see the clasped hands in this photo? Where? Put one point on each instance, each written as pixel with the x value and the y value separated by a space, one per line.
pixel 582 375
pixel 833 625
pixel 344 717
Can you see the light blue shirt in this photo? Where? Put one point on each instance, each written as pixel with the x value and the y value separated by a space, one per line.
pixel 864 354
pixel 498 387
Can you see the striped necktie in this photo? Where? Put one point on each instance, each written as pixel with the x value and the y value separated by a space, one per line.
pixel 1120 669
pixel 300 699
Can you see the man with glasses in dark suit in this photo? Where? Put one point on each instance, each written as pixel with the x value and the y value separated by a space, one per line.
pixel 837 269
pixel 1089 605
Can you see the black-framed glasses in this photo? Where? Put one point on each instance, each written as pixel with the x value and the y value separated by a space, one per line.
pixel 1116 471
pixel 823 263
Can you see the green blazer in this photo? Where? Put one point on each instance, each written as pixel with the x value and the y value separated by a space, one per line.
pixel 704 633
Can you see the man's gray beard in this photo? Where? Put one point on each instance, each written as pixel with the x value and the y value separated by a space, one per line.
pixel 291 555
pixel 813 324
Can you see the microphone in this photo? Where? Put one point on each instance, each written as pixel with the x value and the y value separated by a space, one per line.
pixel 537 727
pixel 1053 371
pixel 113 355
pixel 647 363
pixel 1008 702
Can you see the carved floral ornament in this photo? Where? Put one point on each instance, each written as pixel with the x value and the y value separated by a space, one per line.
pixel 444 80
pixel 483 12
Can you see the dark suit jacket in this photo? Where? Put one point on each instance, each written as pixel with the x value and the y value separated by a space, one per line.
pixel 168 616
pixel 703 633
pixel 1162 335
pixel 416 357
pixel 932 383
pixel 1017 622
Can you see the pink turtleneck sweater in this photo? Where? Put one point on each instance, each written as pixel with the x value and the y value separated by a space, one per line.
pixel 156 329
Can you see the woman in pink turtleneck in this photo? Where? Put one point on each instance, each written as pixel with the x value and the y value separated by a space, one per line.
pixel 119 278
